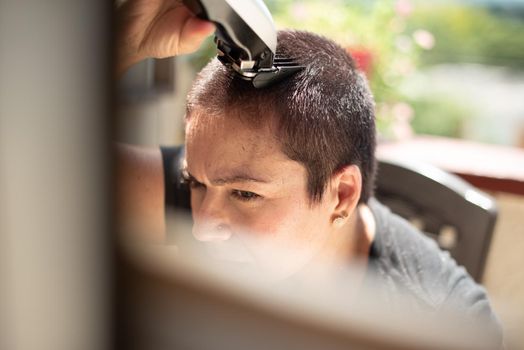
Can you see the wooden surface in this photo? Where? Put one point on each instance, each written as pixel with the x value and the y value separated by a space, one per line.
pixel 489 167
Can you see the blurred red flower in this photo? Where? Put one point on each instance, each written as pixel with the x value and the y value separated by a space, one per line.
pixel 363 58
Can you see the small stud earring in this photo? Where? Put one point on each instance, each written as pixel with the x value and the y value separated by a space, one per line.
pixel 340 220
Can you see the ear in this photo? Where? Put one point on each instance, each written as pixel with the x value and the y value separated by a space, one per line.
pixel 346 185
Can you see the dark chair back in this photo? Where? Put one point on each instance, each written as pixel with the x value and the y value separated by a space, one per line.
pixel 457 215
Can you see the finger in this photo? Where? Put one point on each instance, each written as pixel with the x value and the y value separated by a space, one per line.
pixel 193 33
pixel 200 27
pixel 195 24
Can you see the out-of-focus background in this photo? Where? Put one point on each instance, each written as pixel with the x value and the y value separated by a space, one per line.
pixel 448 79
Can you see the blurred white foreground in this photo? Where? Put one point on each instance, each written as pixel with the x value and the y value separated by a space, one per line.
pixel 176 296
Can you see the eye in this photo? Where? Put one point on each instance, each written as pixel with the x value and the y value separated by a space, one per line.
pixel 245 195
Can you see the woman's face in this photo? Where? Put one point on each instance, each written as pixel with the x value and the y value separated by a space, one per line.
pixel 249 200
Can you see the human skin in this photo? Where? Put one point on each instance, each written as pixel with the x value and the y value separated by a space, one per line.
pixel 245 192
pixel 148 28
pixel 156 28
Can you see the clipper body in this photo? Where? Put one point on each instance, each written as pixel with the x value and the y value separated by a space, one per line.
pixel 246 39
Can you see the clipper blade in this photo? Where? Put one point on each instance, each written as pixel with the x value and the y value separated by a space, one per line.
pixel 282 68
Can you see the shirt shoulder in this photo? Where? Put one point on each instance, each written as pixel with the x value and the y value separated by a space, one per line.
pixel 407 261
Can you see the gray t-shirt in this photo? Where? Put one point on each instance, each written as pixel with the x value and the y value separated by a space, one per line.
pixel 405 261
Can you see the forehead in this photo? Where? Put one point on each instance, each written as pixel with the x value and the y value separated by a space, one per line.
pixel 231 131
pixel 222 142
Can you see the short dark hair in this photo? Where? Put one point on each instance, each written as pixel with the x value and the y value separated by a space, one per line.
pixel 324 114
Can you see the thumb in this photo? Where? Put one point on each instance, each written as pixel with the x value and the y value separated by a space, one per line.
pixel 194 31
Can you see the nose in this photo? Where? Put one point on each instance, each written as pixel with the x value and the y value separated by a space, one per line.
pixel 211 223
pixel 211 231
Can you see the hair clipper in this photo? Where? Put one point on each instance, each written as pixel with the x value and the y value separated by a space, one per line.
pixel 246 39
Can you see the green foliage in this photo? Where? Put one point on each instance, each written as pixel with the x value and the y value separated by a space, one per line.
pixel 471 34
pixel 438 115
pixel 370 26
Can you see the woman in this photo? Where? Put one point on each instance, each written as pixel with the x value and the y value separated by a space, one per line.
pixel 287 168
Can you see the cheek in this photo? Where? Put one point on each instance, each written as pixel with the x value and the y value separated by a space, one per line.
pixel 271 219
pixel 284 238
pixel 283 220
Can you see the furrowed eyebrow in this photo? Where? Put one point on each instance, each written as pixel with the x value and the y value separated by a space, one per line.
pixel 236 178
pixel 188 177
pixel 233 178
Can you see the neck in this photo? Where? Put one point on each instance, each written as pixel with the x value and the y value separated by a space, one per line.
pixel 364 230
pixel 347 250
pixel 351 242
